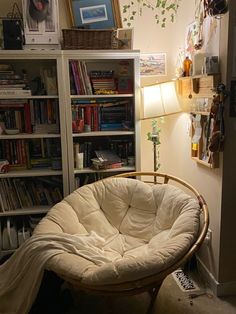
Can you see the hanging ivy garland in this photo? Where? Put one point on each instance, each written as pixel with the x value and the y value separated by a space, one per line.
pixel 163 10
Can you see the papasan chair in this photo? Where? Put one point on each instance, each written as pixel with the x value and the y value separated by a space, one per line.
pixel 149 230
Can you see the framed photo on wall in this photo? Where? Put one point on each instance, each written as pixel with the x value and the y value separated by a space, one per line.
pixel 95 14
pixel 153 64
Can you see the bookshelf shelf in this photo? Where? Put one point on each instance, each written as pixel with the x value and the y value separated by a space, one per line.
pixel 29 97
pixel 103 133
pixel 25 136
pixel 101 96
pixel 89 170
pixel 36 210
pixel 31 173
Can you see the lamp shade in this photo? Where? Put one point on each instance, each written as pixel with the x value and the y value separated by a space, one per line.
pixel 160 100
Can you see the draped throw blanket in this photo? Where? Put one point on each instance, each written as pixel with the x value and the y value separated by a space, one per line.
pixel 21 275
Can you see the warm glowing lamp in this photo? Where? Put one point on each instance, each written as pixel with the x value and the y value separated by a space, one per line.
pixel 159 100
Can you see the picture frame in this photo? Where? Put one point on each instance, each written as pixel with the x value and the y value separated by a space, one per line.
pixel 125 38
pixel 95 14
pixel 153 64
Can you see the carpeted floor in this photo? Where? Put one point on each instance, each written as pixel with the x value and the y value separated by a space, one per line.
pixel 171 300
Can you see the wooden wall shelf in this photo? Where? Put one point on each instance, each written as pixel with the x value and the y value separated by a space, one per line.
pixel 198 86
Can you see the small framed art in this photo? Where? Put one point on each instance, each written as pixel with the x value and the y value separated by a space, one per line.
pixel 95 14
pixel 153 64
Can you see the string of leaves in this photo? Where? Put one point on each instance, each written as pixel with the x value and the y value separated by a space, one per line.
pixel 163 10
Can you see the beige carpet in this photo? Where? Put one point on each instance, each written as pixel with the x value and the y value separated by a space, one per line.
pixel 171 300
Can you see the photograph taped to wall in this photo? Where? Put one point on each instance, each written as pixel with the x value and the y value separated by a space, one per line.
pixel 95 14
pixel 41 27
pixel 153 64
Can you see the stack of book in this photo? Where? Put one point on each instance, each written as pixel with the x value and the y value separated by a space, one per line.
pixel 103 81
pixel 106 159
pixel 12 84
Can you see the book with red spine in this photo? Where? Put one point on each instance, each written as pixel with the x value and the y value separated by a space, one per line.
pixel 87 116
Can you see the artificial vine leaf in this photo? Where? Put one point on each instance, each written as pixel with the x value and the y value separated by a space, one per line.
pixel 167 8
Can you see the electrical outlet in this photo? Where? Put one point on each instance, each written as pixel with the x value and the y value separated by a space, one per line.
pixel 208 237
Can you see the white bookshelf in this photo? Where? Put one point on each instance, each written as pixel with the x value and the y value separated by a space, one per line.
pixel 31 61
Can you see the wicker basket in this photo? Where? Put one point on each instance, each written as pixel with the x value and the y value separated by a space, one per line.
pixel 89 39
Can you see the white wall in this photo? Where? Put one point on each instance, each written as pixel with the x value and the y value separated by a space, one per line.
pixel 175 140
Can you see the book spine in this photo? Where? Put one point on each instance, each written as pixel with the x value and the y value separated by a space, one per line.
pixel 74 69
pixel 28 126
pixel 88 117
pixel 82 79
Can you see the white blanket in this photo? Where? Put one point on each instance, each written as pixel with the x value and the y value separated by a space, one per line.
pixel 21 275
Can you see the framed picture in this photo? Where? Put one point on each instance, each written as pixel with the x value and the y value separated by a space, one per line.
pixel 95 14
pixel 125 37
pixel 153 64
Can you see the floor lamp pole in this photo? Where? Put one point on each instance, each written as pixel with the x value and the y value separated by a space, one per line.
pixel 155 156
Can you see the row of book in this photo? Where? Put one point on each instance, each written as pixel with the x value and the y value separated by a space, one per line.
pixel 30 116
pixel 17 193
pixel 101 115
pixel 16 115
pixel 30 153
pixel 12 84
pixel 96 82
pixel 79 79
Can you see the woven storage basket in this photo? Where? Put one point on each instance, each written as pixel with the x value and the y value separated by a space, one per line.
pixel 89 39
